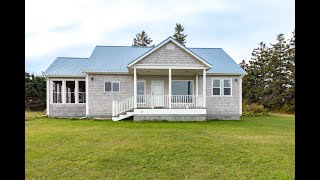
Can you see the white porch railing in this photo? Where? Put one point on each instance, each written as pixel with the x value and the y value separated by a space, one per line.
pixel 163 101
pixel 151 101
pixel 122 106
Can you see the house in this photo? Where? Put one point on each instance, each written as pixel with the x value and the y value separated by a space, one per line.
pixel 165 82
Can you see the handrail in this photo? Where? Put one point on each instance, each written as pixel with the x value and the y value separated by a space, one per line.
pixel 119 107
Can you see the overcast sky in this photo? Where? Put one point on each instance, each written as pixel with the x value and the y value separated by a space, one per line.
pixel 72 28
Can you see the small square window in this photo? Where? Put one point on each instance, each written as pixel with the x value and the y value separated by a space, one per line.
pixel 113 86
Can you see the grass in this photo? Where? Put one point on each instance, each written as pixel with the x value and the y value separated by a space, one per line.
pixel 253 148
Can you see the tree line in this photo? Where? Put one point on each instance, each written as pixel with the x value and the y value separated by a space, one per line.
pixel 270 79
pixel 142 39
pixel 35 92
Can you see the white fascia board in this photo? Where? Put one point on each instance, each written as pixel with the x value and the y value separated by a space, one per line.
pixel 165 42
pixel 168 66
pixel 225 74
pixel 96 72
pixel 63 76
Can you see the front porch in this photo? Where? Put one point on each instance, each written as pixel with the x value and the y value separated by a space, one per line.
pixel 174 90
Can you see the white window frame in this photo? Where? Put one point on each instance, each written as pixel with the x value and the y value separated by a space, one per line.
pixel 216 87
pixel 183 95
pixel 145 92
pixel 82 92
pixel 184 80
pixel 51 91
pixel 104 86
pixel 144 84
pixel 63 89
pixel 227 87
pixel 74 93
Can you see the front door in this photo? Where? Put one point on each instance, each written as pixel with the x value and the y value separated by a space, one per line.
pixel 157 93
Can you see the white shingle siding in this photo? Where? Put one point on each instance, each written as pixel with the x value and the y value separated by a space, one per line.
pixel 67 110
pixel 100 102
pixel 222 107
pixel 170 56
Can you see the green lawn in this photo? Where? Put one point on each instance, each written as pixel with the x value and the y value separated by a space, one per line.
pixel 253 148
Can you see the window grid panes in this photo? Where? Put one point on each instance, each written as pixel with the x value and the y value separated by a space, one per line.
pixel 227 87
pixel 57 89
pixel 82 92
pixel 112 86
pixel 70 96
pixel 216 85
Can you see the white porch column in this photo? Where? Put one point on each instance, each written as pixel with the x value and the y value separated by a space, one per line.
pixel 64 92
pixel 134 87
pixel 197 85
pixel 169 88
pixel 87 95
pixel 48 95
pixel 76 92
pixel 204 87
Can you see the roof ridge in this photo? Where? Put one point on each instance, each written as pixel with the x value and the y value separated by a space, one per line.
pixel 73 57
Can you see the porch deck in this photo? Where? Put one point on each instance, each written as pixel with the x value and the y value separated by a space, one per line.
pixel 160 104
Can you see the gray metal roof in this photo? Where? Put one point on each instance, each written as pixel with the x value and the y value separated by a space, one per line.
pixel 66 66
pixel 113 58
pixel 116 59
pixel 221 61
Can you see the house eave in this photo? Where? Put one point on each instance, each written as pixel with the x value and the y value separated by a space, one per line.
pixel 64 76
pixel 104 72
pixel 226 74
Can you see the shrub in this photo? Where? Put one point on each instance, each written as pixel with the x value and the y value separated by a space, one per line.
pixel 289 108
pixel 255 108
pixel 255 114
pixel 34 104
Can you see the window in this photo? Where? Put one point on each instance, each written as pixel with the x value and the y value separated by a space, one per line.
pixel 140 88
pixel 57 95
pixel 70 87
pixel 181 87
pixel 82 92
pixel 216 86
pixel 227 87
pixel 113 86
pixel 140 91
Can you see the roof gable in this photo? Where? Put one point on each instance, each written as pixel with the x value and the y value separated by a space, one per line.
pixel 162 44
pixel 170 54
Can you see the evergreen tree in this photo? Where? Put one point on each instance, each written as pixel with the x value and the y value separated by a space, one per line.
pixel 179 35
pixel 270 78
pixel 141 39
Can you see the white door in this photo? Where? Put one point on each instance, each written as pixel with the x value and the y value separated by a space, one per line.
pixel 157 93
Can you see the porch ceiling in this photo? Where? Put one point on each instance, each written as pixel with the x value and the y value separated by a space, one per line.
pixel 166 71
